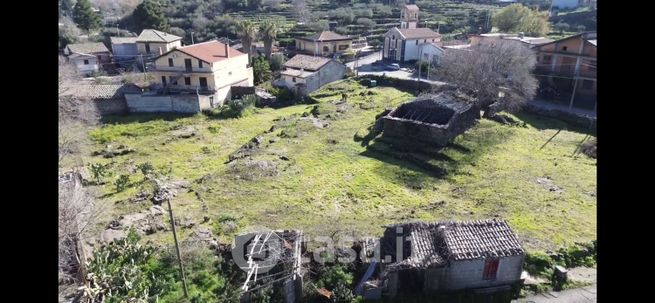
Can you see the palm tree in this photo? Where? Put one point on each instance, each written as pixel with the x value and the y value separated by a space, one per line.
pixel 268 30
pixel 247 31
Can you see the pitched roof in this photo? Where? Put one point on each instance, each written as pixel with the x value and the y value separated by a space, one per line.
pixel 101 91
pixel 210 51
pixel 432 244
pixel 593 42
pixel 121 40
pixel 418 33
pixel 479 239
pixel 87 48
pixel 297 73
pixel 325 36
pixel 305 62
pixel 411 7
pixel 151 35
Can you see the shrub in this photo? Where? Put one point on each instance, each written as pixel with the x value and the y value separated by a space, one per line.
pixel 261 69
pixel 332 276
pixel 366 22
pixel 214 128
pixel 99 171
pixel 146 169
pixel 238 108
pixel 277 61
pixel 121 182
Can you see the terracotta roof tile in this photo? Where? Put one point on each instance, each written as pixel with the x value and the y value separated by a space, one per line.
pixel 212 51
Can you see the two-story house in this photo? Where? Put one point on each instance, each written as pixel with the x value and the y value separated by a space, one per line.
pixel 570 65
pixel 154 43
pixel 208 68
pixel 325 43
pixel 88 58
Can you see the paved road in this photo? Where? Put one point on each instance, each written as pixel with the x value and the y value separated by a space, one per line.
pixel 578 295
pixel 365 67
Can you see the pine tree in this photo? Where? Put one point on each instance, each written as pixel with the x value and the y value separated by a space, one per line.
pixel 85 17
pixel 149 14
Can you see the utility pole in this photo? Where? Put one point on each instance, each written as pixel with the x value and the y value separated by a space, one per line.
pixel 487 29
pixel 575 85
pixel 420 59
pixel 429 63
pixel 177 248
pixel 191 38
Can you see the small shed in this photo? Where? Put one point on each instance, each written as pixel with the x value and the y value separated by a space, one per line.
pixel 434 119
pixel 449 256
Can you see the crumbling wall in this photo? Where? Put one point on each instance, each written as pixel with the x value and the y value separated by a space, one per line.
pixel 433 119
pixel 111 107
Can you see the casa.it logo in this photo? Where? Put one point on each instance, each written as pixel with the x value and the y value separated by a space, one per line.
pixel 260 248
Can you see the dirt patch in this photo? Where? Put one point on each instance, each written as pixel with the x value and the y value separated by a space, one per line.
pixel 110 151
pixel 582 274
pixel 548 184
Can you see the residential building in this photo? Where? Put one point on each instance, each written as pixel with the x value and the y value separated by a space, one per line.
pixel 88 58
pixel 569 66
pixel 209 68
pixel 154 43
pixel 325 43
pixel 450 256
pixel 408 42
pixel 124 49
pixel 304 74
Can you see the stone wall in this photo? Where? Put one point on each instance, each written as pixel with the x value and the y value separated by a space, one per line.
pixel 183 103
pixel 577 120
pixel 432 119
pixel 111 106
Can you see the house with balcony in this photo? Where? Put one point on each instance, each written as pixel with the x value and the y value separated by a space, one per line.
pixel 325 43
pixel 88 58
pixel 152 43
pixel 568 67
pixel 209 68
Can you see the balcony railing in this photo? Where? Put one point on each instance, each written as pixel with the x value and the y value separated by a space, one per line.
pixel 565 71
pixel 181 69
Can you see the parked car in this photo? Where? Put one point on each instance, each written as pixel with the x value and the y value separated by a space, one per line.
pixel 393 66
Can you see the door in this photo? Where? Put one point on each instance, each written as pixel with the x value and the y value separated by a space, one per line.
pixel 163 80
pixel 147 48
pixel 203 82
pixel 187 65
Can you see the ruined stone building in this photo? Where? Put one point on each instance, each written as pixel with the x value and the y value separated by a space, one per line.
pixel 449 256
pixel 434 119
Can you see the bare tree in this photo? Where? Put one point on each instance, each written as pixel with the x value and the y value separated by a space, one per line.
pixel 497 73
pixel 77 212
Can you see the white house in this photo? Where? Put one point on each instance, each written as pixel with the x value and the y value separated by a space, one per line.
pixel 89 57
pixel 124 49
pixel 406 44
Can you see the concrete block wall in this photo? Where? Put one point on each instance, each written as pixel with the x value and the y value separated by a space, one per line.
pixel 111 107
pixel 468 273
pixel 137 103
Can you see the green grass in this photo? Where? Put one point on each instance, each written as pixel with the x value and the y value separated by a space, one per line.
pixel 332 182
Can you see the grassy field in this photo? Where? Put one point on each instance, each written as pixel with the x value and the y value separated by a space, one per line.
pixel 312 171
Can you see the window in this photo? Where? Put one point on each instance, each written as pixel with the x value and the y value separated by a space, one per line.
pixel 86 62
pixel 148 48
pixel 187 80
pixel 200 63
pixel 564 48
pixel 163 80
pixel 425 40
pixel 211 101
pixel 416 42
pixel 187 65
pixel 587 84
pixel 490 269
pixel 343 47
pixel 432 40
pixel 546 59
pixel 326 48
pixel 203 82
pixel 293 79
pixel 229 73
pixel 170 62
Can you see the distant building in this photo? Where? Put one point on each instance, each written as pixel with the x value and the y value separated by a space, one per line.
pixel 124 49
pixel 570 65
pixel 89 57
pixel 153 42
pixel 304 74
pixel 408 42
pixel 325 43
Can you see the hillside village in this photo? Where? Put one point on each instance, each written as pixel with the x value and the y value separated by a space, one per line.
pixel 444 149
